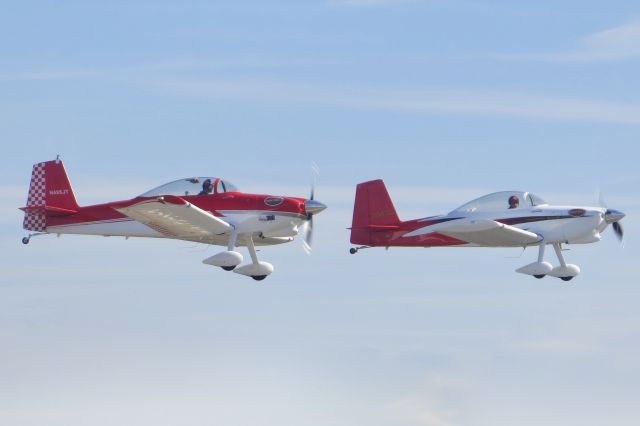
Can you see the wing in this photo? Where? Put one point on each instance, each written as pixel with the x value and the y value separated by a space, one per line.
pixel 483 232
pixel 176 218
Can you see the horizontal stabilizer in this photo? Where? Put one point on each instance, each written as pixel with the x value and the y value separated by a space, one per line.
pixel 376 227
pixel 50 210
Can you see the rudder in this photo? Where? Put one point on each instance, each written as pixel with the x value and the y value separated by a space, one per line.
pixel 373 210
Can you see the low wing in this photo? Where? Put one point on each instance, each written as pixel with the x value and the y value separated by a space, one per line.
pixel 490 233
pixel 484 232
pixel 176 218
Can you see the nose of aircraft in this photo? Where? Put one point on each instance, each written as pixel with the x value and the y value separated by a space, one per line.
pixel 612 216
pixel 313 206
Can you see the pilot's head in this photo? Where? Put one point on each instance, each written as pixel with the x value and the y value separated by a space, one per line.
pixel 207 186
pixel 514 202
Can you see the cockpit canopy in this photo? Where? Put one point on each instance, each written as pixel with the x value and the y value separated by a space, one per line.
pixel 498 201
pixel 192 186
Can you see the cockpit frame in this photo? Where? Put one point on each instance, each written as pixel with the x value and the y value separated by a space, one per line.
pixel 503 200
pixel 191 186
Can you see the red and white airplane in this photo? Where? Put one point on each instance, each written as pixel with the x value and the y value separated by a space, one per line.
pixel 207 210
pixel 501 219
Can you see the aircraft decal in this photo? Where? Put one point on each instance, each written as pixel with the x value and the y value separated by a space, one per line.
pixel 273 201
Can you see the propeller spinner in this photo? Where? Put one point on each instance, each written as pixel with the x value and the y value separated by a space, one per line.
pixel 614 217
pixel 611 217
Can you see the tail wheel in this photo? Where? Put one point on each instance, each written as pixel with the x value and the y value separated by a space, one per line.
pixel 228 268
pixel 540 276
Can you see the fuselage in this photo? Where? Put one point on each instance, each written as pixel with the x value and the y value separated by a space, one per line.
pixel 274 218
pixel 566 224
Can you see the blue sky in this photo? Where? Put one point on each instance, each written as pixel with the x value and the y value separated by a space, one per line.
pixel 444 100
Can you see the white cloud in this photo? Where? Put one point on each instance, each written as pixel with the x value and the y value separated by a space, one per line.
pixel 570 346
pixel 617 43
pixel 424 101
pixel 150 70
pixel 430 406
pixel 51 74
pixel 614 44
pixel 419 412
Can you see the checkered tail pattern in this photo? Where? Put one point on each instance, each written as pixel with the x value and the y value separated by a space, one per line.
pixel 36 219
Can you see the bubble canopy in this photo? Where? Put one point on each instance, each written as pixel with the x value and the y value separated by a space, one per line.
pixel 192 186
pixel 504 200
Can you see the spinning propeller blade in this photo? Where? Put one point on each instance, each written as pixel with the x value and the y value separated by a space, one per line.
pixel 312 207
pixel 308 236
pixel 614 217
pixel 617 229
pixel 600 198
pixel 611 216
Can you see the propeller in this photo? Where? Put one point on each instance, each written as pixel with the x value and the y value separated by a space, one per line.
pixel 617 228
pixel 307 230
pixel 612 217
pixel 311 207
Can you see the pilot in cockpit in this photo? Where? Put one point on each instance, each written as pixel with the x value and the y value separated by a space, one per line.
pixel 514 202
pixel 207 187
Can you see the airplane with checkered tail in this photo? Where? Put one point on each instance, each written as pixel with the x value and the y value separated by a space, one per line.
pixel 207 210
pixel 500 219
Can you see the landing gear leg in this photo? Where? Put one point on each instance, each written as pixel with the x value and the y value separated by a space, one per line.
pixel 227 260
pixel 354 250
pixel 232 240
pixel 252 250
pixel 565 271
pixel 254 258
pixel 558 248
pixel 258 270
pixel 230 246
pixel 541 250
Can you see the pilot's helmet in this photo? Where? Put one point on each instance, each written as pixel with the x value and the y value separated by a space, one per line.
pixel 207 186
pixel 514 202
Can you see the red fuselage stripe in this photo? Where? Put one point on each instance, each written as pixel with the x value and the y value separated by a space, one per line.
pixel 230 201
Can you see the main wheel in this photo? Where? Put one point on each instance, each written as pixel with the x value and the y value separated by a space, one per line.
pixel 25 240
pixel 258 277
pixel 566 278
pixel 229 268
pixel 353 250
pixel 540 276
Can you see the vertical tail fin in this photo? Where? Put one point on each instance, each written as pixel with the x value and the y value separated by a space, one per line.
pixel 50 193
pixel 373 210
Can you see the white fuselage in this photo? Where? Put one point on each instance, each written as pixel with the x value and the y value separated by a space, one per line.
pixel 552 223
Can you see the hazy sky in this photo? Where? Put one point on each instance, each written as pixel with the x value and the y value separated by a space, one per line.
pixel 445 100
